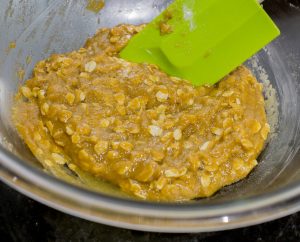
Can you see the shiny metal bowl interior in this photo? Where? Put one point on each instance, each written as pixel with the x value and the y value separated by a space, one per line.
pixel 42 27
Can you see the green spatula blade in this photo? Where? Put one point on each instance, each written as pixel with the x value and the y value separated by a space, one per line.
pixel 209 38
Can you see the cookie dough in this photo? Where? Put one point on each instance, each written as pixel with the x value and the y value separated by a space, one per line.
pixel 155 136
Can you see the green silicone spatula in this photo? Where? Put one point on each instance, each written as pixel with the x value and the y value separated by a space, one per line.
pixel 203 40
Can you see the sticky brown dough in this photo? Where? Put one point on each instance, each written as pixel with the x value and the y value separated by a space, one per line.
pixel 154 136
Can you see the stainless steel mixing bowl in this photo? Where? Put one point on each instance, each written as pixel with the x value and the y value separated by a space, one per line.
pixel 42 27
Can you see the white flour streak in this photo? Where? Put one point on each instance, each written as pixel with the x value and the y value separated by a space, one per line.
pixel 188 15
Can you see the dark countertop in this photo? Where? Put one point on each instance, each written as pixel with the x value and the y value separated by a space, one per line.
pixel 22 219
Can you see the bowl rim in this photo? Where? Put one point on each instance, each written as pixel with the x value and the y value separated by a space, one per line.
pixel 168 210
